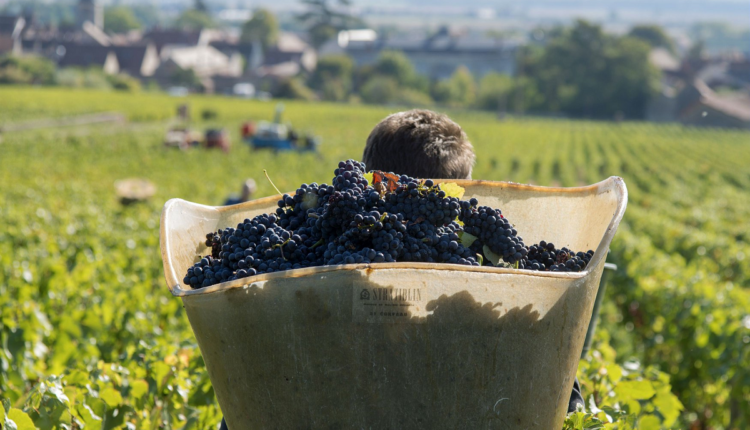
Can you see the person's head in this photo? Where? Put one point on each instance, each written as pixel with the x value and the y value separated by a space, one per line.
pixel 420 143
pixel 248 189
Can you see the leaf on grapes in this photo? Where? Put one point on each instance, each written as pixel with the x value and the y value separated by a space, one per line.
pixel 309 200
pixel 368 176
pixel 452 189
pixel 494 258
pixel 466 238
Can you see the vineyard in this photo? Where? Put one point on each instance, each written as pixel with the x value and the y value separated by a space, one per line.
pixel 91 337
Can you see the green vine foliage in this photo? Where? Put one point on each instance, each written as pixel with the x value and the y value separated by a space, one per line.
pixel 90 336
pixel 623 396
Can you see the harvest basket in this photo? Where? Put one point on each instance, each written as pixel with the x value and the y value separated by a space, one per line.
pixel 400 345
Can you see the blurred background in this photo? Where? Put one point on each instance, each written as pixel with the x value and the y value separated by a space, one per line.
pixel 110 108
pixel 652 60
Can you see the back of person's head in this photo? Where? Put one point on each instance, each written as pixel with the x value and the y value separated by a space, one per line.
pixel 420 143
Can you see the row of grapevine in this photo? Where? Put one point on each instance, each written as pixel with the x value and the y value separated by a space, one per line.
pixel 85 312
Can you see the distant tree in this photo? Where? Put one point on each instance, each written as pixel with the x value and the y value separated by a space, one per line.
pixel 333 77
pixel 125 83
pixel 324 20
pixel 380 90
pixel 629 80
pixel 147 14
pixel 294 88
pixel 494 91
pixel 262 27
pixel 411 97
pixel 120 19
pixel 29 70
pixel 697 50
pixel 459 90
pixel 396 65
pixel 186 78
pixel 392 68
pixel 524 96
pixel 654 35
pixel 192 19
pixel 463 84
pixel 588 73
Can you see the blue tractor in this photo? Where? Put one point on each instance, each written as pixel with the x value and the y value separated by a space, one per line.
pixel 277 136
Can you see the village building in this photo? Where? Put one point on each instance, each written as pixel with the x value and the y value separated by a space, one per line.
pixel 139 61
pixel 701 91
pixel 88 56
pixel 11 28
pixel 436 56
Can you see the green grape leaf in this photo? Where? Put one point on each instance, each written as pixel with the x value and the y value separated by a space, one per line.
pixel 633 407
pixel 669 406
pixel 8 424
pixel 649 422
pixel 614 372
pixel 368 176
pixel 77 377
pixel 111 397
pixel 160 373
pixel 466 238
pixel 138 388
pixel 452 189
pixel 21 420
pixel 57 392
pixel 636 390
pixel 2 416
pixel 87 414
pixel 494 258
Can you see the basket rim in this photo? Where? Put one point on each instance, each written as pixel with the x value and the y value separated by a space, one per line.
pixel 175 285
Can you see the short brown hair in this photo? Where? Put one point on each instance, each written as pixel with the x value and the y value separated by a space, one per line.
pixel 420 143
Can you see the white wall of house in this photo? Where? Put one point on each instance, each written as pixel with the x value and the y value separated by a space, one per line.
pixel 111 66
pixel 151 61
pixel 204 60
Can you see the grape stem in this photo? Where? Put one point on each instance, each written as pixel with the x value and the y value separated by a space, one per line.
pixel 269 180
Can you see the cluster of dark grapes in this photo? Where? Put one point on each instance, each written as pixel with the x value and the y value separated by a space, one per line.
pixel 544 256
pixel 492 229
pixel 352 222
